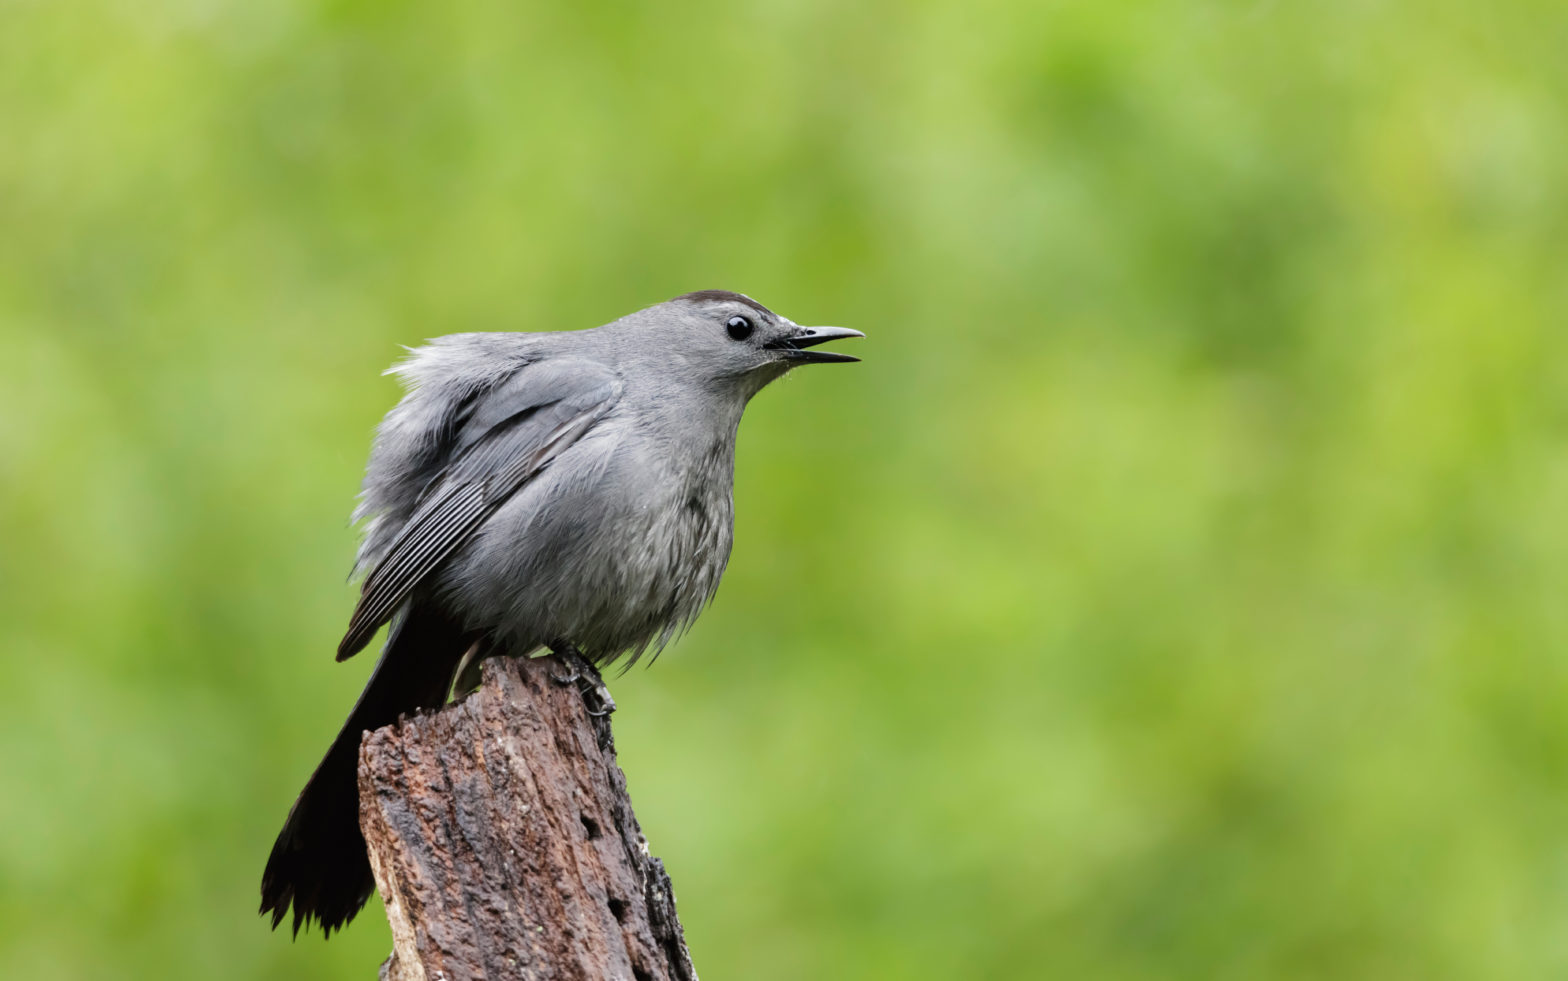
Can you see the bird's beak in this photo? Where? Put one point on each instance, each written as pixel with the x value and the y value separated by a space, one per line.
pixel 791 348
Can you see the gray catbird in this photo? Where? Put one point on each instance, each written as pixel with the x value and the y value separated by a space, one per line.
pixel 569 491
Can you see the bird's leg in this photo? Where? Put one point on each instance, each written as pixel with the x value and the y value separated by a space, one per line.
pixel 585 676
pixel 467 676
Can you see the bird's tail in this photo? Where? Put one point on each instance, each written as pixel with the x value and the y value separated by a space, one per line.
pixel 319 863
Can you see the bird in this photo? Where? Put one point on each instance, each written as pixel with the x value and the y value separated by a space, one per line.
pixel 569 491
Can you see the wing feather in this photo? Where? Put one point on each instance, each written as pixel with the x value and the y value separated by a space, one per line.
pixel 554 404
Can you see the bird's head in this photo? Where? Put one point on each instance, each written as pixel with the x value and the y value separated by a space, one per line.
pixel 731 341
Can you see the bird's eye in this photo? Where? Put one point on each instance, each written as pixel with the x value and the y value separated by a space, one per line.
pixel 739 327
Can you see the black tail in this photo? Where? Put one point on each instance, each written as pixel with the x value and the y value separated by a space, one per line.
pixel 319 862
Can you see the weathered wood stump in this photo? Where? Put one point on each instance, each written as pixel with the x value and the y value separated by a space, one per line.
pixel 504 844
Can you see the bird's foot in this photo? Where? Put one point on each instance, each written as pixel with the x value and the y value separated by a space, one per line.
pixel 596 697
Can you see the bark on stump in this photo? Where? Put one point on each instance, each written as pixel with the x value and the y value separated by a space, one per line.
pixel 504 844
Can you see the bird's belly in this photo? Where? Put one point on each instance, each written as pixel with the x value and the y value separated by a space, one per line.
pixel 614 558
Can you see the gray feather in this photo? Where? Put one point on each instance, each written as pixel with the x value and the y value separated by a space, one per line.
pixel 535 490
pixel 508 435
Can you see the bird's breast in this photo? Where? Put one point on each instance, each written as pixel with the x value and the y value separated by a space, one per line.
pixel 618 546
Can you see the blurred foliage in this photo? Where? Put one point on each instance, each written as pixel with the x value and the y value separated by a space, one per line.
pixel 1174 592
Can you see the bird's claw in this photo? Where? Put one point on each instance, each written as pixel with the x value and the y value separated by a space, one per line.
pixel 596 699
pixel 568 654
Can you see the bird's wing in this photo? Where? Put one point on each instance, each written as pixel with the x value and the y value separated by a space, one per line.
pixel 514 434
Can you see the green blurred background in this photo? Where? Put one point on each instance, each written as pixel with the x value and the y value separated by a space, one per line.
pixel 1175 591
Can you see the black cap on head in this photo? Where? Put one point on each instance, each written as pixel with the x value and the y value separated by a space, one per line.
pixel 701 295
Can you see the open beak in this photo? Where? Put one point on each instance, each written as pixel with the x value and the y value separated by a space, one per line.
pixel 792 348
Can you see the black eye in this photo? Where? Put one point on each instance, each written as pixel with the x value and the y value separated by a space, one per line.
pixel 739 327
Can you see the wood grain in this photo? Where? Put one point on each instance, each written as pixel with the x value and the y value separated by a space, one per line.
pixel 503 841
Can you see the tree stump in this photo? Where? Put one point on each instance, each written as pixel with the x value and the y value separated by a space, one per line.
pixel 504 844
